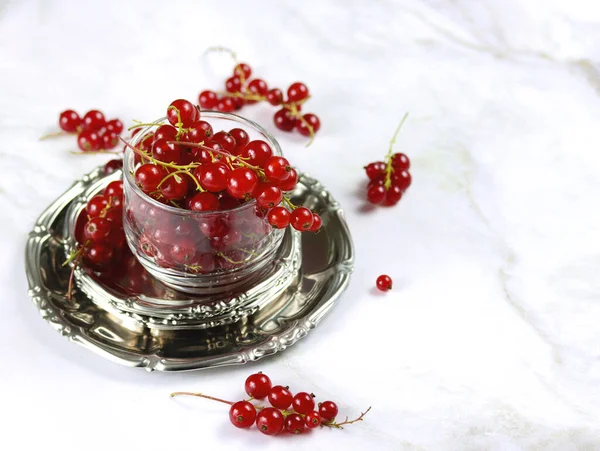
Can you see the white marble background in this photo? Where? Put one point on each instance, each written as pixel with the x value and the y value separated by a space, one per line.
pixel 490 339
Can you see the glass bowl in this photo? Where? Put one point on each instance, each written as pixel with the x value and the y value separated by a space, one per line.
pixel 196 251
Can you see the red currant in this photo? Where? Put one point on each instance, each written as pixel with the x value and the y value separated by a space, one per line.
pixel 269 196
pixel 284 120
pixel 312 420
pixel 89 141
pixel 402 179
pixel 226 141
pixel 164 151
pixel 241 139
pixel 212 176
pixel 328 410
pixel 148 176
pixel 400 162
pixel 375 170
pixel 242 70
pixel 112 166
pixel 165 132
pixel 96 206
pixel 302 219
pixel 297 92
pixel 114 189
pixel 257 153
pixel 115 126
pixel 277 169
pixel 200 131
pixel 294 424
pixel 275 97
pixel 233 84
pixel 258 87
pixel 69 121
pixel 98 256
pixel 182 113
pixel 393 195
pixel 290 183
pixel 204 202
pixel 109 141
pixel 384 282
pixel 317 223
pixel 242 414
pixel 310 121
pixel 279 217
pixel 258 385
pixel 376 194
pixel 207 100
pixel 175 187
pixel 303 403
pixel 240 182
pixel 93 120
pixel 97 229
pixel 280 397
pixel 269 421
pixel 226 105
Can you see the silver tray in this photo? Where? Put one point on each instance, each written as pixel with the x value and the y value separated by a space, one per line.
pixel 129 339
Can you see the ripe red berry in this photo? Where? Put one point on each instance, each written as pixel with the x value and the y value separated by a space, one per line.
pixel 114 189
pixel 183 251
pixel 303 403
pixel 164 151
pixel 376 194
pixel 109 140
pixel 242 70
pixel 89 141
pixel 302 219
pixel 257 153
pixel 200 131
pixel 328 410
pixel 207 100
pixel 269 421
pixel 284 120
pixel 165 132
pixel 294 424
pixel 289 183
pixel 242 414
pixel 115 126
pixel 96 206
pixel 317 223
pixel 311 121
pixel 258 87
pixel 212 176
pixel 279 217
pixel 240 182
pixel 400 162
pixel 384 282
pixel 175 187
pixel 393 195
pixel 204 202
pixel 69 121
pixel 241 139
pixel 269 196
pixel 280 397
pixel 258 385
pixel 226 141
pixel 182 113
pixel 312 420
pixel 98 256
pixel 375 170
pixel 226 105
pixel 112 166
pixel 97 230
pixel 93 120
pixel 277 169
pixel 297 92
pixel 233 84
pixel 275 97
pixel 402 179
pixel 148 176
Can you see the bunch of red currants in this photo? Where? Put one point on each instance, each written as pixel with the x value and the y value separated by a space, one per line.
pixel 94 132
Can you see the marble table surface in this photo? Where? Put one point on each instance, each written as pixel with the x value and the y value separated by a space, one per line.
pixel 490 337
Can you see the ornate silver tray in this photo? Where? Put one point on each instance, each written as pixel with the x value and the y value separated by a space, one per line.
pixel 130 339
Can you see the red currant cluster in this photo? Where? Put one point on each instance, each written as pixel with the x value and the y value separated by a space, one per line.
pixel 185 164
pixel 94 132
pixel 292 413
pixel 241 90
pixel 389 179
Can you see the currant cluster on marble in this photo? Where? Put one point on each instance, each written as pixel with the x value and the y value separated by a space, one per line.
pixel 241 90
pixel 288 412
pixel 94 132
pixel 389 179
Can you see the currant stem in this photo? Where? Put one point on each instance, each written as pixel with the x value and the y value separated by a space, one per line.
pixel 55 134
pixel 222 50
pixel 388 157
pixel 225 154
pixel 72 275
pixel 143 154
pixel 139 124
pixel 289 202
pixel 345 422
pixel 200 395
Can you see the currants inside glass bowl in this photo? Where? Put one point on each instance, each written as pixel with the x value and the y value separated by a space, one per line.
pixel 205 197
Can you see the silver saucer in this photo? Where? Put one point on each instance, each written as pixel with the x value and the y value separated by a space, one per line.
pixel 132 339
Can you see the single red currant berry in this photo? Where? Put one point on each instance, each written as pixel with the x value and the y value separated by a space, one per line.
pixel 207 100
pixel 279 217
pixel 242 70
pixel 258 87
pixel 328 410
pixel 182 113
pixel 376 194
pixel 303 402
pixel 164 151
pixel 297 92
pixel 241 139
pixel 402 179
pixel 242 414
pixel 204 202
pixel 275 97
pixel 89 141
pixel 375 170
pixel 384 283
pixel 312 420
pixel 114 189
pixel 233 84
pixel 400 162
pixel 212 176
pixel 290 183
pixel 115 126
pixel 148 176
pixel 284 120
pixel 165 132
pixel 97 229
pixel 110 140
pixel 393 195
pixel 258 385
pixel 69 121
pixel 280 397
pixel 98 256
pixel 302 219
pixel 269 197
pixel 96 206
pixel 257 153
pixel 308 122
pixel 317 223
pixel 277 169
pixel 183 251
pixel 240 182
pixel 226 105
pixel 112 166
pixel 200 131
pixel 269 421
pixel 226 141
pixel 175 187
pixel 93 120
pixel 239 102
pixel 294 424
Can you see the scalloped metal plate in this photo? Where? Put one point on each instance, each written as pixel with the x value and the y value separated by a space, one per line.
pixel 327 265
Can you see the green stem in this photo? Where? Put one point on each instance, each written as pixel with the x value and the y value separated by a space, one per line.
pixel 388 157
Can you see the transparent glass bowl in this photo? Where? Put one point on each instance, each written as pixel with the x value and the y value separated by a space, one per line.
pixel 192 251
